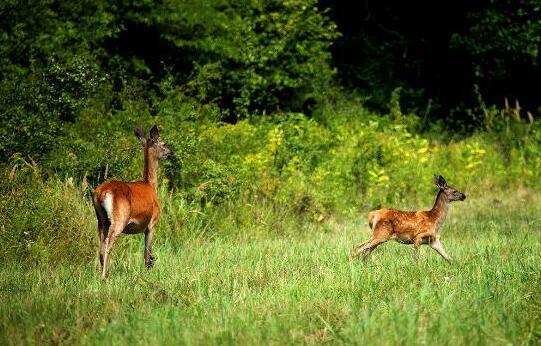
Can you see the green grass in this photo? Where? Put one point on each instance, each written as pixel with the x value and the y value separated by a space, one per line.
pixel 294 287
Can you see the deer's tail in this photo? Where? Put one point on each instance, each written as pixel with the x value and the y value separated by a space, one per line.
pixel 372 220
pixel 103 203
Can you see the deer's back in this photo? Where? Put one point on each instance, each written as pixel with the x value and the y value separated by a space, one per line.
pixel 400 221
pixel 138 199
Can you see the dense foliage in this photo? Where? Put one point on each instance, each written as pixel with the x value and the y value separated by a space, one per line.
pixel 442 54
pixel 61 59
pixel 291 169
pixel 244 96
pixel 288 120
pixel 58 59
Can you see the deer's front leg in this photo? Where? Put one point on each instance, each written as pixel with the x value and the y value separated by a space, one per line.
pixel 420 239
pixel 149 260
pixel 436 245
pixel 416 245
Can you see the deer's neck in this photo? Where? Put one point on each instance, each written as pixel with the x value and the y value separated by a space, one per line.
pixel 440 208
pixel 150 174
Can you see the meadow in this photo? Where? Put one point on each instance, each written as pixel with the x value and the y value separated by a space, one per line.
pixel 289 121
pixel 259 220
pixel 277 282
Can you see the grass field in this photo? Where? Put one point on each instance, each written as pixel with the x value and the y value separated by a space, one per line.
pixel 297 287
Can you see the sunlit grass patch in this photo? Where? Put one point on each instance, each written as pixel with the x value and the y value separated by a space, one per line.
pixel 299 287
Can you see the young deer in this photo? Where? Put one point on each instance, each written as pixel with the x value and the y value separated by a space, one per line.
pixel 131 207
pixel 411 227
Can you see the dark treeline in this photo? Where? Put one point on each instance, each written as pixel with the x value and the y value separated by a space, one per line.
pixel 449 52
pixel 443 59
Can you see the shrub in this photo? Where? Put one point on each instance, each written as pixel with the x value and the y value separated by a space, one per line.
pixel 254 58
pixel 48 221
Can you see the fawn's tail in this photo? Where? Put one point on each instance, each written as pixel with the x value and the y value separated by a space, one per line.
pixel 372 220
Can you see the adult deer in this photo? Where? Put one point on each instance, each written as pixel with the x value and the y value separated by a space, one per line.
pixel 131 207
pixel 411 227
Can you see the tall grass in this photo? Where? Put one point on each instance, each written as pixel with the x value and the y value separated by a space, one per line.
pixel 254 243
pixel 269 277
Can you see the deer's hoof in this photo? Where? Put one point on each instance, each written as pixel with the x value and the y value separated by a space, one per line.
pixel 356 251
pixel 150 263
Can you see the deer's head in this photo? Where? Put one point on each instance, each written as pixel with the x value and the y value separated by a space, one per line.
pixel 450 193
pixel 156 148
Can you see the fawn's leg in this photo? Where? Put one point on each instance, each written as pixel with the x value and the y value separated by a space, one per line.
pixel 101 236
pixel 382 233
pixel 367 249
pixel 416 245
pixel 422 238
pixel 357 248
pixel 436 245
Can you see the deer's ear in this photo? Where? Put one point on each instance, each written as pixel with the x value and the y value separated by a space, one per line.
pixel 440 181
pixel 139 134
pixel 154 134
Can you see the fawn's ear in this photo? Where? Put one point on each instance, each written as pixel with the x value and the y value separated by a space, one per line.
pixel 154 134
pixel 440 181
pixel 139 134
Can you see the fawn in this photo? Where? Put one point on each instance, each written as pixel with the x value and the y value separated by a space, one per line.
pixel 411 227
pixel 131 207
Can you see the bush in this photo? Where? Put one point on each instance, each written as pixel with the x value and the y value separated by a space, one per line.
pixel 356 160
pixel 259 57
pixel 268 173
pixel 47 221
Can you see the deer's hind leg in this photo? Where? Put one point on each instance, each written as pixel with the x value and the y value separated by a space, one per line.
pixel 102 233
pixel 382 233
pixel 103 229
pixel 357 247
pixel 119 221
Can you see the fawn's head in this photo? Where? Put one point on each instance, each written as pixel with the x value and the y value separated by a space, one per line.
pixel 154 145
pixel 450 193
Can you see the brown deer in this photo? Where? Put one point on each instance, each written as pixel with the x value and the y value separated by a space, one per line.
pixel 131 207
pixel 411 227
